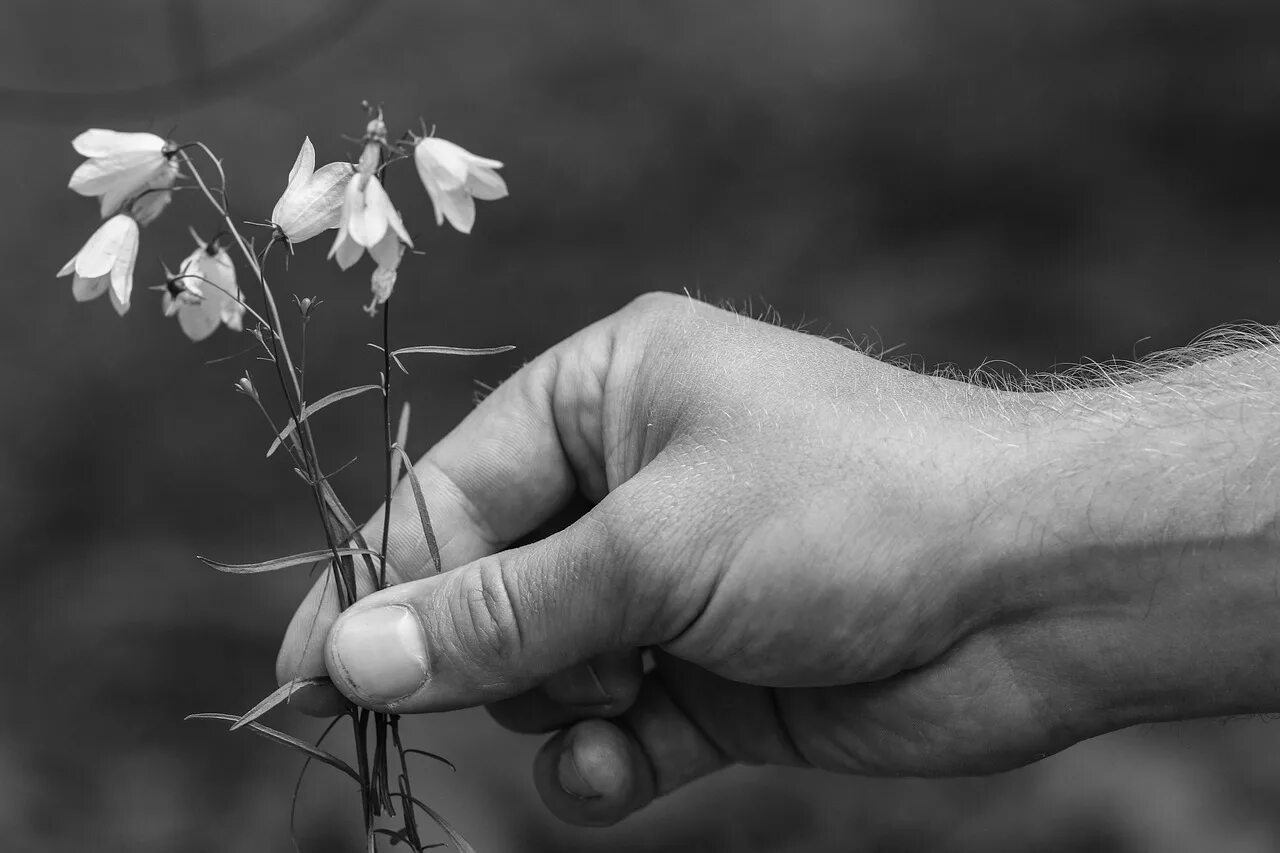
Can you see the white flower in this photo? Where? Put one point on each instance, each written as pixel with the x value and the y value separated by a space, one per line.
pixel 369 221
pixel 106 259
pixel 123 165
pixel 312 202
pixel 454 178
pixel 204 293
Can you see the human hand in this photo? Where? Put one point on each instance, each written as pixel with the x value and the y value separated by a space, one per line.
pixel 835 562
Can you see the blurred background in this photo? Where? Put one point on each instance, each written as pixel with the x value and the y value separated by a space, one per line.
pixel 1033 182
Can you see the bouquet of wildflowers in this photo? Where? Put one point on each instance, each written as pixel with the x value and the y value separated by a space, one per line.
pixel 134 176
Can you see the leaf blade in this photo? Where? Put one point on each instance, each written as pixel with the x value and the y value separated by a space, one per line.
pixel 402 438
pixel 454 835
pixel 311 408
pixel 280 694
pixel 282 562
pixel 286 740
pixel 437 350
pixel 446 762
pixel 423 516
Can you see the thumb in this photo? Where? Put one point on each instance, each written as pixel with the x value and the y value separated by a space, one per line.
pixel 495 627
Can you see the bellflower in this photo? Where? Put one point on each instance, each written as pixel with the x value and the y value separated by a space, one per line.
pixel 106 262
pixel 369 221
pixel 123 165
pixel 312 200
pixel 204 293
pixel 454 178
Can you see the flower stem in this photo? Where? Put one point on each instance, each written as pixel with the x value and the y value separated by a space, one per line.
pixel 391 455
pixel 284 365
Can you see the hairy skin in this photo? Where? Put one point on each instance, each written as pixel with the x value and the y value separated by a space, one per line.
pixel 836 562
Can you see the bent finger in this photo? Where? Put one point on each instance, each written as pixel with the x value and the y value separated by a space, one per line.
pixel 502 472
pixel 599 771
pixel 604 687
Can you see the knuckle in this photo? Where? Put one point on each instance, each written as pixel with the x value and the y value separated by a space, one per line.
pixel 491 624
pixel 657 302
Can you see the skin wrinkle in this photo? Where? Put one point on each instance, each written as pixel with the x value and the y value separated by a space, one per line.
pixel 478 520
pixel 570 383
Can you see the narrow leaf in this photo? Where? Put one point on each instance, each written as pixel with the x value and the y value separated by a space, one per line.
pixel 311 408
pixel 400 836
pixel 281 562
pixel 451 350
pixel 286 740
pixel 394 357
pixel 397 837
pixel 423 515
pixel 446 762
pixel 454 836
pixel 277 696
pixel 402 438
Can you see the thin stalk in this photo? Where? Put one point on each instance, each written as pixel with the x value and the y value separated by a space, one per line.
pixel 360 728
pixel 290 443
pixel 302 356
pixel 284 365
pixel 283 360
pixel 390 442
pixel 410 820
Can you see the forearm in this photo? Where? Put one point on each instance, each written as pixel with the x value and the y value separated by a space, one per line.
pixel 1138 532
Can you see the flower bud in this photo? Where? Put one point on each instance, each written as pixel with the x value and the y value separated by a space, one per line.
pixel 245 387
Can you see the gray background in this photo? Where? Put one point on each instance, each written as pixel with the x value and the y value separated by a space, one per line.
pixel 1030 181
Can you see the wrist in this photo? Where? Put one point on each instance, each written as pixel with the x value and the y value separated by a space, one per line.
pixel 1133 550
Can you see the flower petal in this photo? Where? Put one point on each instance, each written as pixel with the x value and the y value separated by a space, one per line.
pixel 317 205
pixel 305 165
pixel 122 308
pixel 387 251
pixel 101 250
pixel 459 209
pixel 486 185
pixel 440 162
pixel 198 319
pixel 367 210
pixel 122 270
pixel 436 205
pixel 393 219
pixel 233 312
pixel 345 250
pixel 220 275
pixel 100 174
pixel 67 268
pixel 98 142
pixel 84 289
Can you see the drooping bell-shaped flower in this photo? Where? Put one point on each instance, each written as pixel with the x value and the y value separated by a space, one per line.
pixel 454 178
pixel 312 200
pixel 122 166
pixel 369 221
pixel 105 262
pixel 204 293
